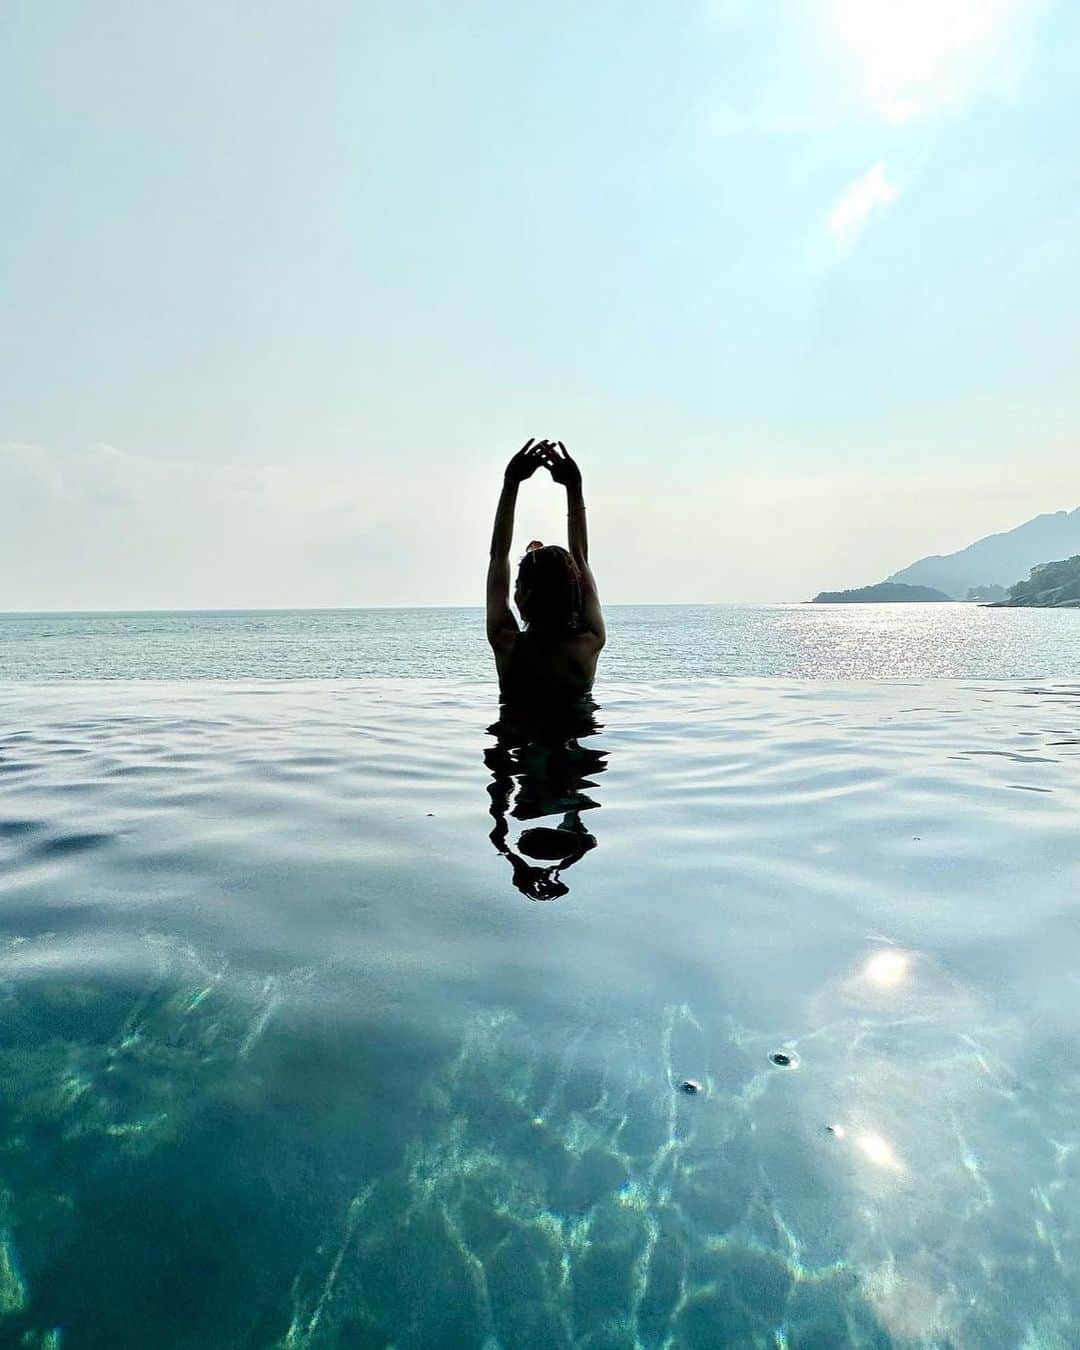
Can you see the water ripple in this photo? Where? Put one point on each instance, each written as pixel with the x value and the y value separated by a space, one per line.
pixel 285 1046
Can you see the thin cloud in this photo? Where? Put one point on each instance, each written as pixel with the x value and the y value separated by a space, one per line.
pixel 872 192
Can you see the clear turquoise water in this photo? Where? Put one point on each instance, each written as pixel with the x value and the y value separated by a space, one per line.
pixel 291 1056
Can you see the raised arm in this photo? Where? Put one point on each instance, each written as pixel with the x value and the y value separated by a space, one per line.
pixel 501 623
pixel 565 471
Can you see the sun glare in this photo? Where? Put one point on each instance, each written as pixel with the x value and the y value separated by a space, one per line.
pixel 915 55
pixel 887 968
pixel 878 1150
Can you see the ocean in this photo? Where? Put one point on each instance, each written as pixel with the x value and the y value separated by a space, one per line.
pixel 645 642
pixel 739 1011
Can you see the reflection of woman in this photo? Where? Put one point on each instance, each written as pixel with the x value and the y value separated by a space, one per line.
pixel 554 656
pixel 539 769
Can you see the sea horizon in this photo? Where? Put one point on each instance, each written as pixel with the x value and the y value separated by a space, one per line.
pixel 477 606
pixel 549 969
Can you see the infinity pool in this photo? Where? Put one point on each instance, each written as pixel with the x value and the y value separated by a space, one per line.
pixel 346 1014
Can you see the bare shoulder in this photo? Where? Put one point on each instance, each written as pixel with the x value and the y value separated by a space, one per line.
pixel 502 642
pixel 502 629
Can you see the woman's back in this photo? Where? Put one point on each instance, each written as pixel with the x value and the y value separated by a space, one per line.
pixel 553 658
pixel 533 667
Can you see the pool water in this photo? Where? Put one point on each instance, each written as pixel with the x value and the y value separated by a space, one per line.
pixel 346 1013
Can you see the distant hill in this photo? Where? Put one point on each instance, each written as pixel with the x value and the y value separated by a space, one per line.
pixel 1052 585
pixel 887 592
pixel 999 559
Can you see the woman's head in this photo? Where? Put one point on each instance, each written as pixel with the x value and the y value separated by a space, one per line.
pixel 548 590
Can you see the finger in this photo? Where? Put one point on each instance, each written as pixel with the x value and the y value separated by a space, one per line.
pixel 565 452
pixel 525 446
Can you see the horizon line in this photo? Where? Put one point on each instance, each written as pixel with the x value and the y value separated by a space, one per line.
pixel 344 609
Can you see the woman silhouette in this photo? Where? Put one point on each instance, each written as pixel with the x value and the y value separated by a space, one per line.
pixel 540 769
pixel 553 658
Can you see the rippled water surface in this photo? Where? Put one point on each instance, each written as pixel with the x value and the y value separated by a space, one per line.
pixel 333 1018
pixel 645 642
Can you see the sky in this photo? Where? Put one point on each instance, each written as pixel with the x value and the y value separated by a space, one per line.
pixel 283 286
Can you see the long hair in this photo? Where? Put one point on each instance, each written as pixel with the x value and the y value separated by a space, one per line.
pixel 549 591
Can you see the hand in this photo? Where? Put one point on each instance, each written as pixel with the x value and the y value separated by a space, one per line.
pixel 527 460
pixel 538 883
pixel 563 469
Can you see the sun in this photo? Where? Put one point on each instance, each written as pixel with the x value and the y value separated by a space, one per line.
pixel 915 56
